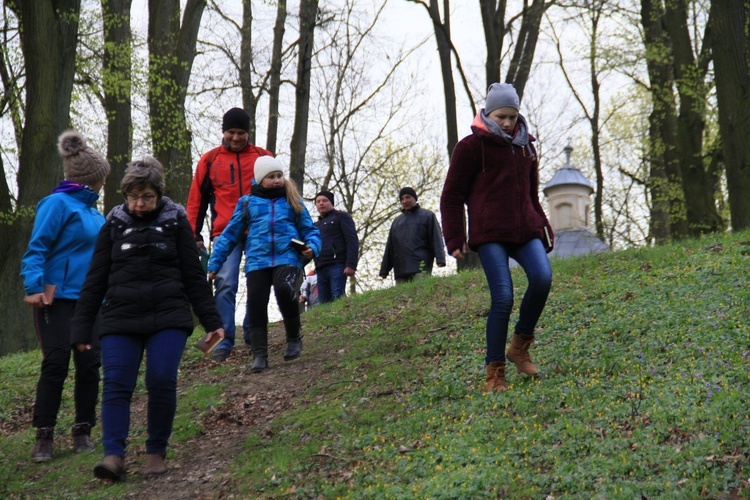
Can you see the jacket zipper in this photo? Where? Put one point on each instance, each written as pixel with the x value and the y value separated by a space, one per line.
pixel 239 173
pixel 273 233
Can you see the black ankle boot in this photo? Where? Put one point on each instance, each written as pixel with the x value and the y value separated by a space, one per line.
pixel 43 445
pixel 259 340
pixel 293 349
pixel 81 434
pixel 260 362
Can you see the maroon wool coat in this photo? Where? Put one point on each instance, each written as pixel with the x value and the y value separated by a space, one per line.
pixel 499 183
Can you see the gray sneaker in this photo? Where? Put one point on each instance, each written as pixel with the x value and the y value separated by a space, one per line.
pixel 220 355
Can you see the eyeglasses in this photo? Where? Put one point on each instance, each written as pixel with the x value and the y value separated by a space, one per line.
pixel 146 198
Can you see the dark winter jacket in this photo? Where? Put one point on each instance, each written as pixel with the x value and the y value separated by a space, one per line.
pixel 498 180
pixel 145 274
pixel 339 236
pixel 413 243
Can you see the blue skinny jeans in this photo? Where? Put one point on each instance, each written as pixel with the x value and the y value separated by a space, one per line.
pixel 121 360
pixel 533 259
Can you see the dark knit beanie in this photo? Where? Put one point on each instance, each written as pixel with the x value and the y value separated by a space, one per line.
pixel 81 164
pixel 327 194
pixel 501 95
pixel 236 118
pixel 407 190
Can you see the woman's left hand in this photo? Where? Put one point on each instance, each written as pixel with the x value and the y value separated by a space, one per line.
pixel 308 253
pixel 36 300
pixel 219 332
pixel 81 347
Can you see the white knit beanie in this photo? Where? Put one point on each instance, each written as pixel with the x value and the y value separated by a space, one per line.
pixel 265 165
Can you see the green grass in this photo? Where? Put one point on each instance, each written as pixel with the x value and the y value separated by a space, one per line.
pixel 645 356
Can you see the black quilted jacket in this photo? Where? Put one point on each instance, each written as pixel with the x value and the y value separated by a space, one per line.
pixel 145 274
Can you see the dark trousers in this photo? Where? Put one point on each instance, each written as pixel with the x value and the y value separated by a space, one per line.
pixel 259 283
pixel 53 331
pixel 122 355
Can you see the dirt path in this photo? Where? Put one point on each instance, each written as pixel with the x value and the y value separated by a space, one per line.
pixel 199 468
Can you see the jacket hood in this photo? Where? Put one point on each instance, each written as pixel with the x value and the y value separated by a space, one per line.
pixel 483 127
pixel 167 210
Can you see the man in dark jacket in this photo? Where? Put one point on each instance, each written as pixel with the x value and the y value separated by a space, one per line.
pixel 413 243
pixel 340 250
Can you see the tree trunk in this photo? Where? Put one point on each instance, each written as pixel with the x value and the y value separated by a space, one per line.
pixel 249 101
pixel 493 21
pixel 117 95
pixel 731 43
pixel 49 36
pixel 702 216
pixel 523 56
pixel 171 54
pixel 307 16
pixel 275 77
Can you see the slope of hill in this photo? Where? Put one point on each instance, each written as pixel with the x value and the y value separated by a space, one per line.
pixel 645 389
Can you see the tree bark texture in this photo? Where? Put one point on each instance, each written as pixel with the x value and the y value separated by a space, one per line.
pixel 668 219
pixel 275 77
pixel 249 101
pixel 308 15
pixel 493 21
pixel 171 54
pixel 49 37
pixel 117 95
pixel 523 55
pixel 690 73
pixel 731 53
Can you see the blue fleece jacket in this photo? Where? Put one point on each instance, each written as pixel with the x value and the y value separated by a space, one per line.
pixel 271 224
pixel 62 243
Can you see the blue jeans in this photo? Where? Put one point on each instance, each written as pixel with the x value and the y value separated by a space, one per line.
pixel 331 283
pixel 533 259
pixel 121 359
pixel 226 282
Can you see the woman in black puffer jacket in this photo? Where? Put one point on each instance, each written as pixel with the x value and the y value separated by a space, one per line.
pixel 145 275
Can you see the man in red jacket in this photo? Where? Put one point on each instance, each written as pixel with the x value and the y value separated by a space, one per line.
pixel 222 176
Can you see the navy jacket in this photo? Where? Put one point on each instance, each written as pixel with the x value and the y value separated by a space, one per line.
pixel 340 243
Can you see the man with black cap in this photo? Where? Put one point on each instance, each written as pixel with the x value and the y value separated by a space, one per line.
pixel 339 253
pixel 414 242
pixel 222 176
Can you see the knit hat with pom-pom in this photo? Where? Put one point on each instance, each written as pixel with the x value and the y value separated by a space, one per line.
pixel 81 164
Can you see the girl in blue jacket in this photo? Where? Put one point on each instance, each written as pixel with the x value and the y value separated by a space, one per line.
pixel 53 270
pixel 267 220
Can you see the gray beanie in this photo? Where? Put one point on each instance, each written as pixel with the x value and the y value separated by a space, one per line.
pixel 501 95
pixel 265 165
pixel 81 164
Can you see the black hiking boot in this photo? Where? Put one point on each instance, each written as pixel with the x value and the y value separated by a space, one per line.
pixel 43 445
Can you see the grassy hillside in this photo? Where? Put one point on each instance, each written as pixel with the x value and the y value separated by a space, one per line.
pixel 645 390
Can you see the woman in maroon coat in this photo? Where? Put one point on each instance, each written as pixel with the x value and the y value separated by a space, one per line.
pixel 495 173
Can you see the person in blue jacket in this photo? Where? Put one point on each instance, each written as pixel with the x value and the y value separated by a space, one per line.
pixel 272 215
pixel 53 270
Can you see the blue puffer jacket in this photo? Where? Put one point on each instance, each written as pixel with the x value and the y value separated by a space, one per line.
pixel 62 243
pixel 271 223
